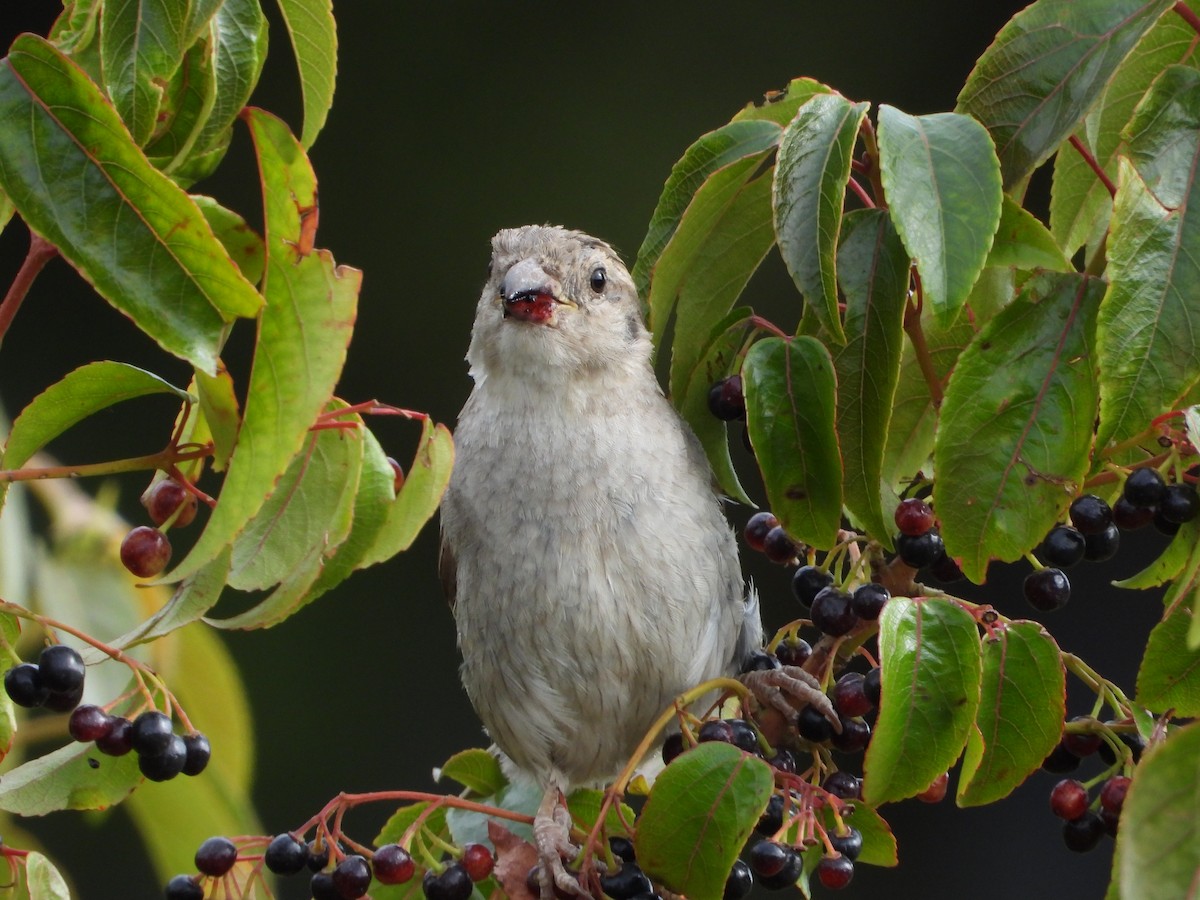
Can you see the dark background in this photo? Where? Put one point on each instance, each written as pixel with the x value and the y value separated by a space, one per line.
pixel 451 121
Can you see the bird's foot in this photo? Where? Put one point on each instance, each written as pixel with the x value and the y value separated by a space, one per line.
pixel 789 689
pixel 552 837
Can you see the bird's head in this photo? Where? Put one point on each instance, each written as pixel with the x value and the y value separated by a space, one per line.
pixel 556 300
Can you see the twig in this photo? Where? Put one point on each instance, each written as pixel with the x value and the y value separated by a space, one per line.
pixel 40 252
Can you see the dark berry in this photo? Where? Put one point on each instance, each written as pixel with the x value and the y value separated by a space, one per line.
pixel 24 686
pixel 63 702
pixel 1112 794
pixel 393 865
pixel 166 763
pixel 1128 517
pixel 807 582
pixel 946 570
pixel 1110 819
pixel 793 652
pixel 936 792
pixel 119 739
pixel 868 600
pixel 726 400
pixel 318 856
pixel 1090 514
pixel 199 752
pixel 832 613
pixel 744 735
pixel 89 723
pixel 769 858
pixel 478 861
pixel 873 685
pixel 672 746
pixel 622 847
pixel 1082 743
pixel 352 877
pixel 1131 739
pixel 1047 589
pixel 1060 761
pixel 849 698
pixel 913 517
pixel 1062 548
pixel 1082 834
pixel 1163 525
pixel 739 883
pixel 784 760
pixel 778 547
pixel 921 549
pixel 1144 488
pixel 184 887
pixel 848 844
pixel 322 888
pixel 835 872
pixel 452 884
pixel 151 731
pixel 759 661
pixel 163 497
pixel 287 855
pixel 854 736
pixel 397 474
pixel 628 882
pixel 756 529
pixel 785 877
pixel 813 726
pixel 715 730
pixel 1179 504
pixel 61 669
pixel 772 818
pixel 1102 545
pixel 1069 799
pixel 145 551
pixel 216 856
pixel 843 784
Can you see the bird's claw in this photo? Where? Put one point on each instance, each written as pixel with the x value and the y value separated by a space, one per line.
pixel 788 690
pixel 551 836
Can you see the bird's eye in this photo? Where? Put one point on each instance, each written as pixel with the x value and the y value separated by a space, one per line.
pixel 598 280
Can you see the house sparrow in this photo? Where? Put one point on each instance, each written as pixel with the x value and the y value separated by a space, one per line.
pixel 592 574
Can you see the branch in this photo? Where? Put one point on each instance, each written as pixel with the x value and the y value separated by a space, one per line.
pixel 40 252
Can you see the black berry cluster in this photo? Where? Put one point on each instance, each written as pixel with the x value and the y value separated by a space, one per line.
pixel 764 534
pixel 918 543
pixel 161 753
pixel 1147 497
pixel 54 682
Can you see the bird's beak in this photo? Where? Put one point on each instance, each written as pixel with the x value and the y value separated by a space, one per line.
pixel 529 294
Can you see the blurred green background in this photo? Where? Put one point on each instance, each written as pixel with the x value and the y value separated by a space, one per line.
pixel 452 120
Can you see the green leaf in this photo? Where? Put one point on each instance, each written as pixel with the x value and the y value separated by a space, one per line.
pixel 1020 715
pixel 80 394
pixel 1016 425
pixel 711 152
pixel 781 107
pixel 1170 562
pixel 187 102
pixel 932 669
pixel 193 597
pixel 62 779
pixel 1159 840
pixel 1045 69
pixel 313 33
pixel 1146 332
pixel 419 497
pixel 1080 204
pixel 810 185
pixel 790 404
pixel 873 268
pixel 239 38
pixel 240 241
pixel 703 216
pixel 219 407
pixel 942 181
pixel 721 357
pixel 725 259
pixel 141 45
pixel 44 881
pixel 165 270
pixel 584 805
pixel 393 829
pixel 1023 242
pixel 302 338
pixel 475 769
pixel 1169 676
pixel 700 812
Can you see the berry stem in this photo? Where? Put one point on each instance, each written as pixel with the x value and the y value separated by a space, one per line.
pixel 1181 10
pixel 861 193
pixel 41 251
pixel 916 334
pixel 164 459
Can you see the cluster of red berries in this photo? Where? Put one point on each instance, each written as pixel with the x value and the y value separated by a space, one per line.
pixel 145 551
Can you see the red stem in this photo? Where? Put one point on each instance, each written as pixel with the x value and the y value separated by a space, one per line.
pixel 1093 165
pixel 1187 15
pixel 41 251
pixel 861 193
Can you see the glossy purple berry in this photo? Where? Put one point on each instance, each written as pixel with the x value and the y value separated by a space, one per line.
pixel 1144 488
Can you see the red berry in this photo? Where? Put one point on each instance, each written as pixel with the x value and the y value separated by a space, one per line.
pixel 1069 799
pixel 936 791
pixel 835 872
pixel 1082 743
pixel 164 497
pixel 393 865
pixel 778 546
pixel 913 517
pixel 89 723
pixel 478 861
pixel 145 551
pixel 1112 795
pixel 756 529
pixel 397 474
pixel 849 697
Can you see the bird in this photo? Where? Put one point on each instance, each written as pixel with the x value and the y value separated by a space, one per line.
pixel 592 573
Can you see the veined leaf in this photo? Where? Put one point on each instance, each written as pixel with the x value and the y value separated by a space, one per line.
pixel 1169 676
pixel 313 32
pixel 942 181
pixel 1045 69
pixel 781 107
pixel 62 779
pixel 1023 242
pixel 165 270
pixel 810 185
pixel 141 45
pixel 187 101
pixel 239 36
pixel 43 880
pixel 1016 425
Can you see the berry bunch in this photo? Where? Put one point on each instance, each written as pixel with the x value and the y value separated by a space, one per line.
pixel 55 681
pixel 764 534
pixel 145 551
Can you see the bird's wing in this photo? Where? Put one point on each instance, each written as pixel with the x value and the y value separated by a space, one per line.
pixel 448 572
